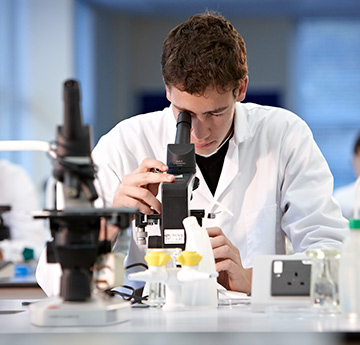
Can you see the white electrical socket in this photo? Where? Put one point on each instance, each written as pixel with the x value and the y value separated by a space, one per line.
pixel 292 288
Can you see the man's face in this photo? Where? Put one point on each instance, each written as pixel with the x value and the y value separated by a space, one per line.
pixel 212 115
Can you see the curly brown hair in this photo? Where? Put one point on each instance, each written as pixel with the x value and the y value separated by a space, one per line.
pixel 205 51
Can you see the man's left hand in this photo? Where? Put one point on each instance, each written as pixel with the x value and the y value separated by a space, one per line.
pixel 232 275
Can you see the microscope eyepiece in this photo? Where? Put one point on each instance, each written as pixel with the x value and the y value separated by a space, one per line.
pixel 183 128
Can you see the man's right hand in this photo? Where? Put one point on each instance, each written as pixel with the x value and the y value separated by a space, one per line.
pixel 139 189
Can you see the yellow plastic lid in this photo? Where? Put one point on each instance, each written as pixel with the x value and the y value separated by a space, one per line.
pixel 189 258
pixel 157 258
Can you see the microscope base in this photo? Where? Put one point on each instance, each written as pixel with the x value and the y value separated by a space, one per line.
pixel 53 311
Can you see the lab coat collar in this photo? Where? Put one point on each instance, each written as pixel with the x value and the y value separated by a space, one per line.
pixel 171 125
pixel 242 130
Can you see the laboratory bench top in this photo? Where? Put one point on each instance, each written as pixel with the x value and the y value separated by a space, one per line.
pixel 22 284
pixel 232 324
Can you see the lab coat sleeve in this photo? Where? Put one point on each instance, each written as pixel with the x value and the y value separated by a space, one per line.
pixel 311 217
pixel 120 152
pixel 111 166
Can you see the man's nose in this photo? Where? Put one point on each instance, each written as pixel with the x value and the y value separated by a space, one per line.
pixel 199 129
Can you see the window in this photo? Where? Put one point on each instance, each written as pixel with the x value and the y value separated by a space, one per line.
pixel 327 88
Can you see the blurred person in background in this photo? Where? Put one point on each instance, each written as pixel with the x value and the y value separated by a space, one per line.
pixel 22 237
pixel 346 195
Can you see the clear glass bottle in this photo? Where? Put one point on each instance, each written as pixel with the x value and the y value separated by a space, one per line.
pixel 324 285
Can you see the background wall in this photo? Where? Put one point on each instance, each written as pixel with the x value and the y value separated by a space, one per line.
pixel 127 59
pixel 36 55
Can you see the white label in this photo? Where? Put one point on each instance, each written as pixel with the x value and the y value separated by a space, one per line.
pixel 174 236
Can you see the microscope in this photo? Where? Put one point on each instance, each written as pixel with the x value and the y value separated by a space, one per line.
pixel 194 284
pixel 175 196
pixel 75 223
pixel 75 226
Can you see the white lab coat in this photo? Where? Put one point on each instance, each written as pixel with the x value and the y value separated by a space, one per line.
pixel 18 191
pixel 274 180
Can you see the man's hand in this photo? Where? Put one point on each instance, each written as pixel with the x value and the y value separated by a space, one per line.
pixel 232 275
pixel 139 189
pixel 107 232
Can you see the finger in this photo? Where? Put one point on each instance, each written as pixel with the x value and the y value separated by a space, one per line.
pixel 234 277
pixel 146 178
pixel 107 232
pixel 221 240
pixel 136 197
pixel 218 241
pixel 149 164
pixel 134 203
pixel 227 265
pixel 225 252
pixel 102 233
pixel 140 198
pixel 214 231
pixel 153 188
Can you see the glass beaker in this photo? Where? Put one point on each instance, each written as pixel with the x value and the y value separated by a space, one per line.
pixel 155 292
pixel 324 282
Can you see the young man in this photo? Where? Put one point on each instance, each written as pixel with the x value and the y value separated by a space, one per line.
pixel 261 163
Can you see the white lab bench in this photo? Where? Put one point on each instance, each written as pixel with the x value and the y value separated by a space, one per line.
pixel 224 325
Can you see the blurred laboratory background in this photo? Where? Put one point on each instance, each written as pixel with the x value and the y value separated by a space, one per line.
pixel 303 55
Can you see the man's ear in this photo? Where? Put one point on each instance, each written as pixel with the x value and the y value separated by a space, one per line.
pixel 168 94
pixel 241 92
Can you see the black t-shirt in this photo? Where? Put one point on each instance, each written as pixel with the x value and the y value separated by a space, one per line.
pixel 211 166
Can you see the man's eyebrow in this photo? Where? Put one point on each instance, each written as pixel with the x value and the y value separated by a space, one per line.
pixel 214 111
pixel 218 110
pixel 181 109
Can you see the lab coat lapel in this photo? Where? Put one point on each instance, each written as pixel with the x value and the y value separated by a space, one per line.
pixel 231 167
pixel 229 172
pixel 203 188
pixel 169 129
